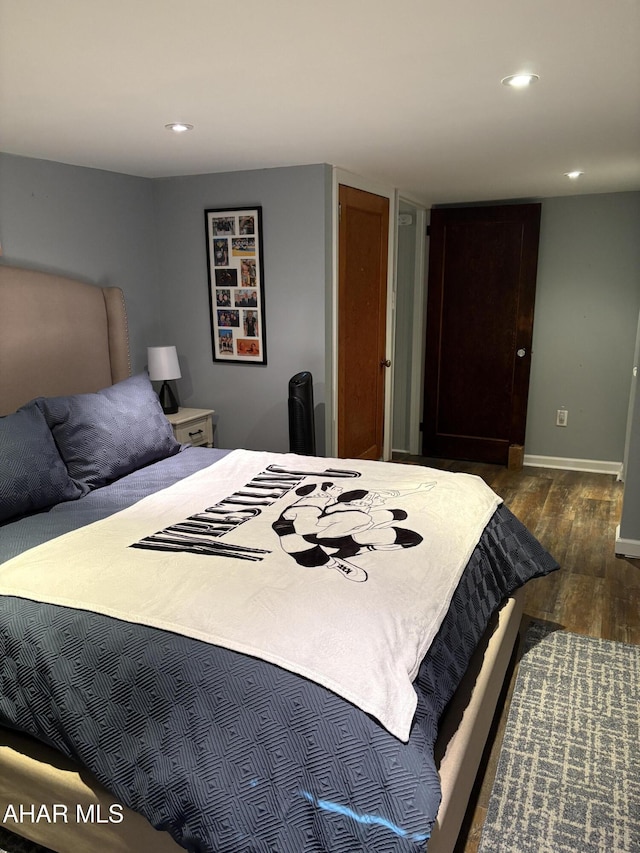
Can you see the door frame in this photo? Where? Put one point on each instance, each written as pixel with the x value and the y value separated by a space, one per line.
pixel 416 343
pixel 340 176
pixel 632 400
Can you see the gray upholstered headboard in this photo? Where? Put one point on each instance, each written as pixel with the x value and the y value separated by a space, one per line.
pixel 58 336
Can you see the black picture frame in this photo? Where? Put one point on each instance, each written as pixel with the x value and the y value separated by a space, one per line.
pixel 236 284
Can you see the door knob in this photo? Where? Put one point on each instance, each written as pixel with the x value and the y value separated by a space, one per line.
pixel 521 353
pixel 385 363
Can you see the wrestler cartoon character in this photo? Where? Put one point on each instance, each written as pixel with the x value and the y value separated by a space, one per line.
pixel 327 526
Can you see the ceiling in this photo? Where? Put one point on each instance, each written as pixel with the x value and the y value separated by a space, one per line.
pixel 405 92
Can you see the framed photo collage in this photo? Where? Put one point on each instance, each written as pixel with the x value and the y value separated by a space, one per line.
pixel 236 285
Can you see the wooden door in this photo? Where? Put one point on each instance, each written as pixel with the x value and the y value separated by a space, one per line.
pixel 482 276
pixel 362 311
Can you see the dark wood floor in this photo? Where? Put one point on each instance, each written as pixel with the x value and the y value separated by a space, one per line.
pixel 595 593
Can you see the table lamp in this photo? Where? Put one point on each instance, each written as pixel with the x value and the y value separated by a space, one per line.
pixel 163 365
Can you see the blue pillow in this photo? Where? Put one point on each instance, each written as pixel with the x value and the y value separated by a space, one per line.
pixel 106 435
pixel 32 474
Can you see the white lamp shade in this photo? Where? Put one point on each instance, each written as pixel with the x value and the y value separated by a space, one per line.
pixel 163 363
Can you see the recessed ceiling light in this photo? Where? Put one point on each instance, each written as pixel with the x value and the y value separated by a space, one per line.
pixel 179 127
pixel 574 175
pixel 519 81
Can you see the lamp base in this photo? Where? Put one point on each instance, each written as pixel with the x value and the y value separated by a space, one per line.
pixel 167 399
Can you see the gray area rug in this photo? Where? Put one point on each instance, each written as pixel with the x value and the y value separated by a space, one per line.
pixel 568 776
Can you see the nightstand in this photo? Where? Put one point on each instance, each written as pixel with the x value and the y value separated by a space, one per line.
pixel 193 426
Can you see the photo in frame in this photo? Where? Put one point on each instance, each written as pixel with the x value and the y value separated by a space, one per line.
pixel 236 284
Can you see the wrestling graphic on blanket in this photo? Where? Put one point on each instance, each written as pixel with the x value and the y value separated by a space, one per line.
pixel 323 527
pixel 327 525
pixel 285 558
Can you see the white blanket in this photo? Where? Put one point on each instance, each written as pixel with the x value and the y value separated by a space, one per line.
pixel 338 570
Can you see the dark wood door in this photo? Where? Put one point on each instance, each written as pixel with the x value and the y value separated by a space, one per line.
pixel 362 312
pixel 482 277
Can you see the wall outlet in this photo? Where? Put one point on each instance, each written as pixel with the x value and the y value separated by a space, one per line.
pixel 562 417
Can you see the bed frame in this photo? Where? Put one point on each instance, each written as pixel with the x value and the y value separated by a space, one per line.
pixel 60 336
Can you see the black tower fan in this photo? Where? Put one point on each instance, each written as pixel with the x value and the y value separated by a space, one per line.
pixel 302 433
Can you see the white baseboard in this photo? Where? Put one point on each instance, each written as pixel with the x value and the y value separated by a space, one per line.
pixel 402 452
pixel 592 466
pixel 627 547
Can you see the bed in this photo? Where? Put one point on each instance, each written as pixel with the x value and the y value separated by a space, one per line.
pixel 120 733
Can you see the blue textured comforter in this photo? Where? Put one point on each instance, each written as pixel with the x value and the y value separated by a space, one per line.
pixel 228 753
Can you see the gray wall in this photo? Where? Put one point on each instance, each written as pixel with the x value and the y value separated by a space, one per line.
pixel 402 367
pixel 148 237
pixel 93 225
pixel 587 303
pixel 250 400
